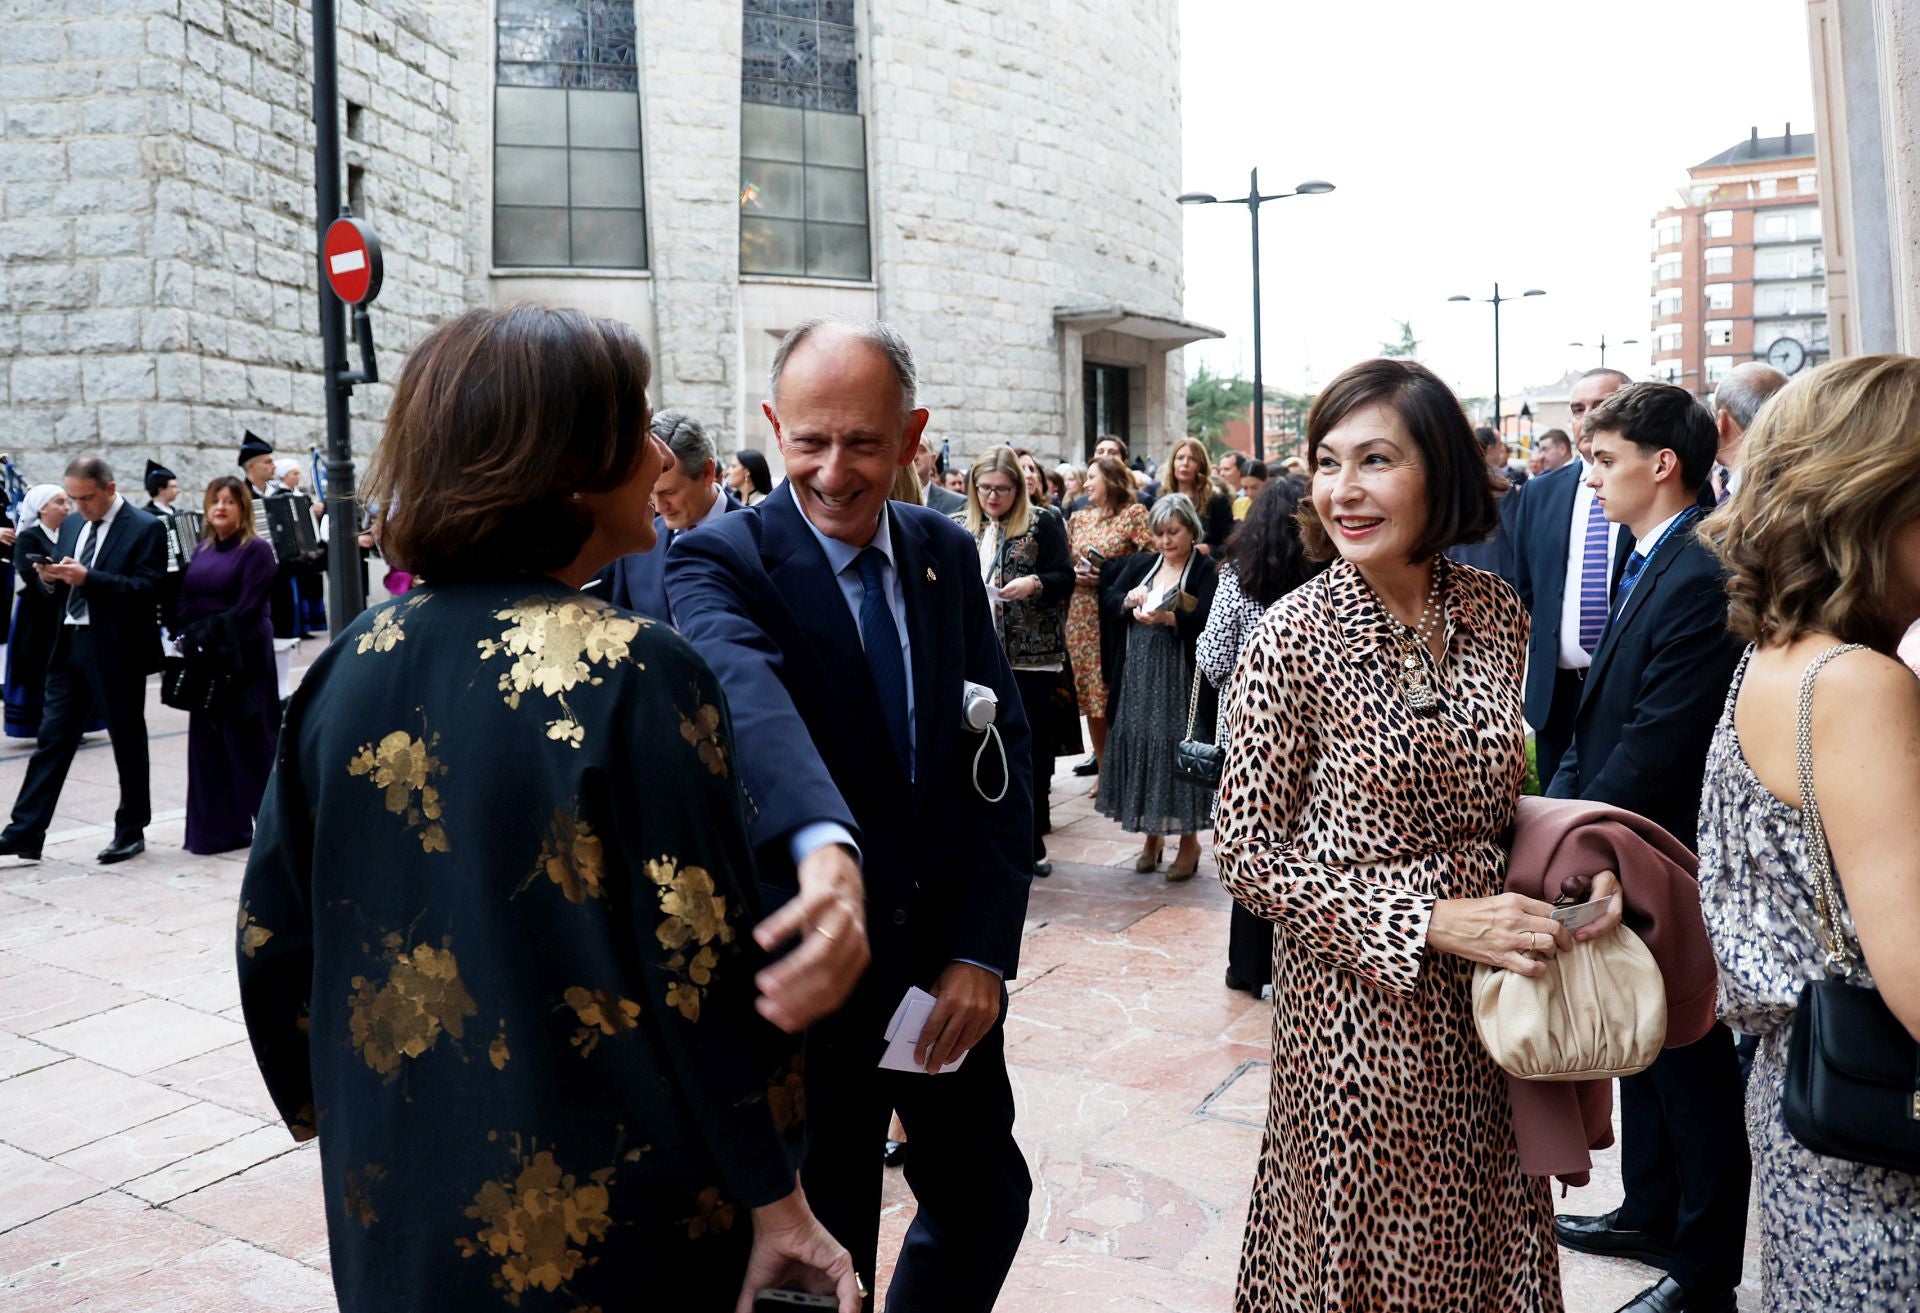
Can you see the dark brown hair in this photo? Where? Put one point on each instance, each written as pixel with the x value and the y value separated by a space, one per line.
pixel 499 417
pixel 1116 481
pixel 1460 487
pixel 242 496
pixel 1830 474
pixel 1661 417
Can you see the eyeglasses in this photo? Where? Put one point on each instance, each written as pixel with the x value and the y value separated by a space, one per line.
pixel 994 489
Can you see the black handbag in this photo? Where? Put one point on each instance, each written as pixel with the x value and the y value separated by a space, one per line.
pixel 200 678
pixel 1853 1072
pixel 1197 761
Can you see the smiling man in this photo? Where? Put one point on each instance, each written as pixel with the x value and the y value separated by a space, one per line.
pixel 1646 715
pixel 844 628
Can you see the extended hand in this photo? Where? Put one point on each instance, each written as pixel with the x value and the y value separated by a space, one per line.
pixel 68 571
pixel 7 536
pixel 969 1005
pixel 1507 930
pixel 829 913
pixel 791 1247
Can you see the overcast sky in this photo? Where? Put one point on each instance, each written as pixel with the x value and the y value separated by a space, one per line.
pixel 1525 141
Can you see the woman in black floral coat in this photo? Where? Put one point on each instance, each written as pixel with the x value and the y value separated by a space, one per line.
pixel 495 938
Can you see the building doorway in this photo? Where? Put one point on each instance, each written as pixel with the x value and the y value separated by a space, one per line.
pixel 1104 391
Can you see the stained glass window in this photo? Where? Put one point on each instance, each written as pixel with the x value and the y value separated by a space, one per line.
pixel 566 161
pixel 803 151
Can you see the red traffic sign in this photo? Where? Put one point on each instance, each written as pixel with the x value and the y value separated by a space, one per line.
pixel 350 260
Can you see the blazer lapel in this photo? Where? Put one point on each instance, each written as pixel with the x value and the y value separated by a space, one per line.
pixel 1643 588
pixel 920 586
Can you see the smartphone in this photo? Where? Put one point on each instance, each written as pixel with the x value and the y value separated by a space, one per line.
pixel 1095 558
pixel 37 558
pixel 784 1301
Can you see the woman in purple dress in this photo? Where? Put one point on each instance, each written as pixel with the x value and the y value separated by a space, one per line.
pixel 224 598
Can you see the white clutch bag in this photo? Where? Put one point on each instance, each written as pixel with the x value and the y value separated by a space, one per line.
pixel 1597 1012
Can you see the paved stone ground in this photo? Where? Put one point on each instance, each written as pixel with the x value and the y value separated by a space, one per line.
pixel 141 1167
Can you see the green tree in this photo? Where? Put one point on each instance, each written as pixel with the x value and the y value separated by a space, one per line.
pixel 1407 348
pixel 1212 401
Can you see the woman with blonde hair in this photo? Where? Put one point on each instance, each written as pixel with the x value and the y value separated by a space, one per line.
pixel 1113 524
pixel 1810 814
pixel 1189 471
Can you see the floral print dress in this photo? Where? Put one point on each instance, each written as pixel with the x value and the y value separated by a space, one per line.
pixel 1388 1176
pixel 495 950
pixel 1112 536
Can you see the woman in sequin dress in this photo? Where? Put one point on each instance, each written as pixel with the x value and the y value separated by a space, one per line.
pixel 1822 544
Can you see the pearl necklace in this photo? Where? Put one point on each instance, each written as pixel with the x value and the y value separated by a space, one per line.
pixel 1414 684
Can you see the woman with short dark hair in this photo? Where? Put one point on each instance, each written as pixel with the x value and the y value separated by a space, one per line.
pixel 1376 751
pixel 496 933
pixel 225 629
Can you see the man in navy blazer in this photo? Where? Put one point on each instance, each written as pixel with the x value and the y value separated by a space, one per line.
pixel 688 496
pixel 1647 712
pixel 1555 531
pixel 112 560
pixel 844 629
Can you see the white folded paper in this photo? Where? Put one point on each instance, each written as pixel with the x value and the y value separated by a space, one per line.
pixel 903 1033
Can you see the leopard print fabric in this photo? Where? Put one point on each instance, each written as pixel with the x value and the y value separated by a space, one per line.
pixel 1388 1175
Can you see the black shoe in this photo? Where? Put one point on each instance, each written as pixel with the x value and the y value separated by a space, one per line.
pixel 121 849
pixel 1091 766
pixel 1244 986
pixel 27 850
pixel 1600 1235
pixel 1043 868
pixel 896 1153
pixel 1668 1296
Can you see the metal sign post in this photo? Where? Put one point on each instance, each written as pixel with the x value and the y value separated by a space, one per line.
pixel 350 273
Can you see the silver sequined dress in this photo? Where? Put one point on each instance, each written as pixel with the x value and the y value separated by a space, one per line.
pixel 1834 1235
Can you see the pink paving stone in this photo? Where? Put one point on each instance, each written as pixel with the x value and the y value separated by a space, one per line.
pixel 226 1275
pixel 64 1260
pixel 277 1205
pixel 32 1187
pixel 228 1077
pixel 112 952
pixel 211 1165
pixel 150 1146
pixel 18 1054
pixel 143 1036
pixel 41 996
pixel 53 1109
pixel 26 919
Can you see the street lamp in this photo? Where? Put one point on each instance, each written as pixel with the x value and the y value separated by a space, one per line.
pixel 1625 341
pixel 1253 200
pixel 1495 301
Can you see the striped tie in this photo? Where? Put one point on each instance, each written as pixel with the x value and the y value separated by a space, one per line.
pixel 1595 566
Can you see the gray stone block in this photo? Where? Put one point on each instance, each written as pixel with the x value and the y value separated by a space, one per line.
pixel 117 378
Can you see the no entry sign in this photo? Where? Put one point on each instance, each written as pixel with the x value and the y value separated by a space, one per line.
pixel 350 259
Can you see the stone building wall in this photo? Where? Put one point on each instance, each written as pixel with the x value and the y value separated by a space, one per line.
pixel 158 286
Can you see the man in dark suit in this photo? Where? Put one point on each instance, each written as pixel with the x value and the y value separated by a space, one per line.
pixel 845 629
pixel 113 558
pixel 1565 556
pixel 933 495
pixel 688 496
pixel 1647 713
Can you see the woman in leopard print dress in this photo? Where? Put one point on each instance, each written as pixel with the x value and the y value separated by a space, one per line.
pixel 1369 830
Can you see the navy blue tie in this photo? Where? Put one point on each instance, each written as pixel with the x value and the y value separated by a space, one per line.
pixel 1628 578
pixel 882 639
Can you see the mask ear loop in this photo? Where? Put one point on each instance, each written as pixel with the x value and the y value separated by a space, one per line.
pixel 1006 775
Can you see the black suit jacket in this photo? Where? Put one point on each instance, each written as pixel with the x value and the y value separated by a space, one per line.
pixel 946 872
pixel 1655 692
pixel 1541 530
pixel 639 582
pixel 945 500
pixel 122 592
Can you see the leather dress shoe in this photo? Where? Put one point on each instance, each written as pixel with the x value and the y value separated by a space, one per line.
pixel 1668 1296
pixel 1091 766
pixel 1043 868
pixel 1602 1235
pixel 21 848
pixel 896 1153
pixel 121 849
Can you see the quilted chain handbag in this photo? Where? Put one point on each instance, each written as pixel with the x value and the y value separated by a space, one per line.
pixel 1197 761
pixel 1853 1072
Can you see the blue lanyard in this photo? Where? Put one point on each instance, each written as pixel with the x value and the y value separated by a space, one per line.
pixel 1680 521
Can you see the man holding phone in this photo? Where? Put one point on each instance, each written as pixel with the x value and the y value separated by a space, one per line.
pixel 112 560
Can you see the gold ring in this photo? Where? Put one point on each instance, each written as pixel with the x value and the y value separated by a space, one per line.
pixel 822 932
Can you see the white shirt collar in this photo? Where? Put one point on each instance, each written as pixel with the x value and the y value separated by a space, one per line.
pixel 841 555
pixel 715 511
pixel 106 521
pixel 1653 535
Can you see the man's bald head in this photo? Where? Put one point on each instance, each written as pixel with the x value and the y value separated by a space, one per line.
pixel 839 335
pixel 1737 402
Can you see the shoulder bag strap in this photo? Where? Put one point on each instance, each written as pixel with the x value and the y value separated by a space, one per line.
pixel 1826 894
pixel 1193 702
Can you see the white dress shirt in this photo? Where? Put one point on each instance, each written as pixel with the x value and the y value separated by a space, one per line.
pixel 1572 655
pixel 99 532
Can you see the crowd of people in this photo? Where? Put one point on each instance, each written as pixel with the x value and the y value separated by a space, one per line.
pixel 594 877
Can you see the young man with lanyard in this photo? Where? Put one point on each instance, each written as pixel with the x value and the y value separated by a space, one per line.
pixel 1647 712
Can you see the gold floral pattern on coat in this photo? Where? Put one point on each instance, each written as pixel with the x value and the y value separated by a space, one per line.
pixel 696 920
pixel 253 935
pixel 404 768
pixel 712 1214
pixel 701 730
pixel 536 1224
pixel 497 1052
pixel 387 629
pixel 358 1202
pixel 600 1014
pixel 787 1093
pixel 572 857
pixel 403 1015
pixel 553 644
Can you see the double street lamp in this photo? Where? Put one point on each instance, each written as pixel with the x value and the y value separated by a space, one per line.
pixel 1625 341
pixel 1495 301
pixel 1253 200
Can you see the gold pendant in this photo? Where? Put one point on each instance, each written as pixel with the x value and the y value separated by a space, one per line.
pixel 1414 686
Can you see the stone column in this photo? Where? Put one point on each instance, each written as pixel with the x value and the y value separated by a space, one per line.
pixel 1897 36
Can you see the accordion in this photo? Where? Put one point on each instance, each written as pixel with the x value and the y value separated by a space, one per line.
pixel 286 521
pixel 184 531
